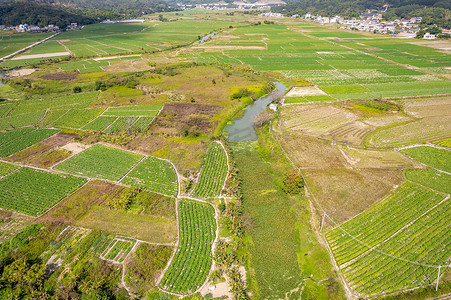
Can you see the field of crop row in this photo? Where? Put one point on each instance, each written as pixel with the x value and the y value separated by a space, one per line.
pixel 439 159
pixel 19 139
pixel 125 118
pixel 213 173
pixel 380 250
pixel 342 73
pixel 104 162
pixel 32 192
pixel 155 175
pixel 11 43
pixel 191 264
pixel 6 168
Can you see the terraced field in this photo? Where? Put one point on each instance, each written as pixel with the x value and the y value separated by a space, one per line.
pixel 32 192
pixel 213 173
pixel 395 244
pixel 155 175
pixel 191 264
pixel 100 161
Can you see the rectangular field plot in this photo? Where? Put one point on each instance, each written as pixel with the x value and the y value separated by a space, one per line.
pixel 16 140
pixel 155 175
pixel 32 192
pixel 396 243
pixel 100 123
pixel 77 118
pixel 100 162
pixel 191 264
pixel 134 111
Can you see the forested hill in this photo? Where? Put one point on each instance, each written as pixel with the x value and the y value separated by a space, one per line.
pixel 64 12
pixel 127 7
pixel 25 12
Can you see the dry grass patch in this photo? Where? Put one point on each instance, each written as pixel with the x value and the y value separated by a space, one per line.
pixel 344 193
pixel 301 91
pixel 350 133
pixel 428 107
pixel 147 228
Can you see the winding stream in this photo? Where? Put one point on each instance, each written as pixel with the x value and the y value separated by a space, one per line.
pixel 243 130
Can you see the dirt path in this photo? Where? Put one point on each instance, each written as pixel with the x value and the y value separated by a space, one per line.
pixel 44 55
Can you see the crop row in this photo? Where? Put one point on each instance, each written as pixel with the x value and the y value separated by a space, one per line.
pixel 19 139
pixel 155 175
pixel 213 173
pixel 378 223
pixel 100 162
pixel 191 264
pixel 33 192
pixel 408 258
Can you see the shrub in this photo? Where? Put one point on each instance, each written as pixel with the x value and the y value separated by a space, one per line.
pixel 293 183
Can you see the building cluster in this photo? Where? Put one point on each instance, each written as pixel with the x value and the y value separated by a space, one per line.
pixel 37 29
pixel 372 22
pixel 237 4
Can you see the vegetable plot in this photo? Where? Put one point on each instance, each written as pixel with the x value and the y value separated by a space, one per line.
pixel 396 243
pixel 32 192
pixel 100 162
pixel 155 175
pixel 213 173
pixel 192 261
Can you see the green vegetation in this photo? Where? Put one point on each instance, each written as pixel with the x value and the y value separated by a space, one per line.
pixel 145 263
pixel 100 162
pixel 33 192
pixel 384 247
pixel 77 118
pixel 443 142
pixel 16 140
pixel 155 175
pixel 6 168
pixel 431 178
pixel 192 261
pixel 213 174
pixel 439 159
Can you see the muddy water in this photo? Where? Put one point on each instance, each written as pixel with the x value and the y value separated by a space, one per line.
pixel 243 130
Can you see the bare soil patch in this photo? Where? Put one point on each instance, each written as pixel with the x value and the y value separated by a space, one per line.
pixel 185 118
pixel 44 55
pixel 305 91
pixel 350 133
pixel 20 73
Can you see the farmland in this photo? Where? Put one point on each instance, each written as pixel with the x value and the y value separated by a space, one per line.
pixel 33 192
pixel 155 175
pixel 414 242
pixel 439 159
pixel 16 140
pixel 191 264
pixel 100 162
pixel 137 112
pixel 213 174
pixel 12 43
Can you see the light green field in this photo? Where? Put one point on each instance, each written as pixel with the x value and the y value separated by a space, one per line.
pixel 439 159
pixel 100 162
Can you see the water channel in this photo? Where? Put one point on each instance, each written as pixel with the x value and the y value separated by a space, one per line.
pixel 243 130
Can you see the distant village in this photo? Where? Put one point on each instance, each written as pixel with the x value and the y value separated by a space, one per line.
pixel 372 22
pixel 37 29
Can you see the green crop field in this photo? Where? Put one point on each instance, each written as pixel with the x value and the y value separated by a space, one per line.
pixel 114 39
pixel 431 178
pixel 134 111
pixel 16 140
pixel 32 192
pixel 444 142
pixel 11 43
pixel 343 73
pixel 100 162
pixel 383 249
pixel 155 175
pixel 77 118
pixel 213 174
pixel 6 168
pixel 439 159
pixel 191 264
